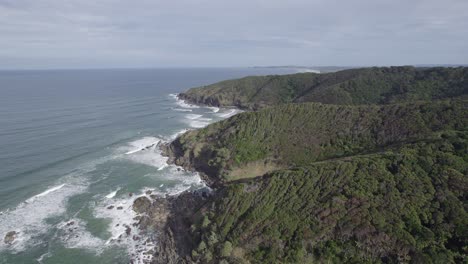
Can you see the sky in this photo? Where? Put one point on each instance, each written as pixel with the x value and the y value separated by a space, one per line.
pixel 41 34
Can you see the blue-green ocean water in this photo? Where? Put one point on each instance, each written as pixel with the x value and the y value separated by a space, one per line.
pixel 70 146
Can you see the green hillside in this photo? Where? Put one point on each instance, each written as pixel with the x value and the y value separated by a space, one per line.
pixel 354 86
pixel 340 184
pixel 253 143
pixel 399 206
pixel 360 166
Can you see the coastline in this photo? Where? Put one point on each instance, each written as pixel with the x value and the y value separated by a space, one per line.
pixel 212 102
pixel 170 217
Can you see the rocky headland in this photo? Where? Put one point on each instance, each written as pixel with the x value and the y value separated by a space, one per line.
pixel 371 168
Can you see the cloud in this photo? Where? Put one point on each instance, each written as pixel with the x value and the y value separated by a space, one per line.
pixel 145 33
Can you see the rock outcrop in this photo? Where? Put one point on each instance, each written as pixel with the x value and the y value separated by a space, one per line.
pixel 10 237
pixel 169 220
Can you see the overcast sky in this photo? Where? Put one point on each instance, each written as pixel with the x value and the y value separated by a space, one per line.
pixel 205 33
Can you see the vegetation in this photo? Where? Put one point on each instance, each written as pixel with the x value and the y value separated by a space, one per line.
pixel 360 173
pixel 354 86
pixel 405 205
pixel 253 143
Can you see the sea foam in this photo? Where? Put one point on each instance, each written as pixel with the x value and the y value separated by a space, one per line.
pixel 214 109
pixel 178 133
pixel 123 227
pixel 229 113
pixel 193 116
pixel 28 218
pixel 182 110
pixel 73 234
pixel 145 151
pixel 184 104
pixel 112 194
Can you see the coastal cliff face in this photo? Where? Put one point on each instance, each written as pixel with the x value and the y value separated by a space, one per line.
pixel 169 220
pixel 356 86
pixel 311 182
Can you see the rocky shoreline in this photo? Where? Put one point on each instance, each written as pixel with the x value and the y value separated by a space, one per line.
pixel 176 156
pixel 169 219
pixel 211 101
pixel 208 101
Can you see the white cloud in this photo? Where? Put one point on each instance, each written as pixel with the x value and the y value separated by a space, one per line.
pixel 123 33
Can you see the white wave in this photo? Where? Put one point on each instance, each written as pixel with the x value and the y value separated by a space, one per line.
pixel 73 234
pixel 143 144
pixel 178 133
pixel 151 156
pixel 112 194
pixel 181 102
pixel 28 218
pixel 229 113
pixel 188 182
pixel 162 167
pixel 182 110
pixel 198 124
pixel 193 116
pixel 132 151
pixel 214 109
pixel 123 228
pixel 41 258
pixel 183 180
pixel 197 121
pixel 184 104
pixel 46 192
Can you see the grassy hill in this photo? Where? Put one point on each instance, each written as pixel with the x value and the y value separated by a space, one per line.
pixel 354 86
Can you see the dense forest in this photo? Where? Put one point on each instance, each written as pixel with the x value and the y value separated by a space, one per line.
pixel 355 86
pixel 253 143
pixel 376 177
pixel 404 205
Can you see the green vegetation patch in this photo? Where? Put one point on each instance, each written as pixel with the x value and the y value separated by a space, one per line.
pixel 404 205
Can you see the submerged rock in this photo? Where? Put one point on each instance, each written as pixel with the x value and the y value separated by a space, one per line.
pixel 141 204
pixel 10 237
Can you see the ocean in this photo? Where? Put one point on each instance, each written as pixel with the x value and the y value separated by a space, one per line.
pixel 74 143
